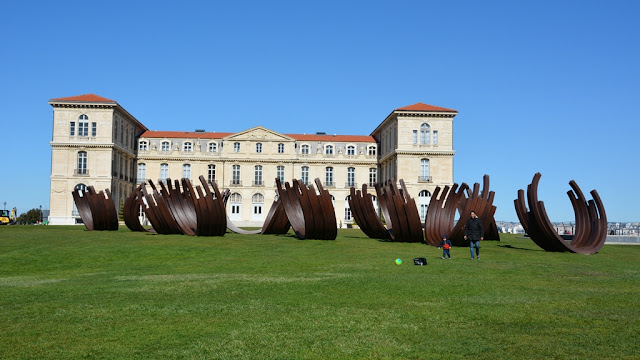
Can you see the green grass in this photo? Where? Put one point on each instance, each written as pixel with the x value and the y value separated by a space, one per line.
pixel 67 293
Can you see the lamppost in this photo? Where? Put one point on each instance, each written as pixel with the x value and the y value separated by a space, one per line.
pixel 40 217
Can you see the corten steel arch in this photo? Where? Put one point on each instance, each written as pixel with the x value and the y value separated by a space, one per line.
pixel 130 210
pixel 276 222
pixel 210 215
pixel 443 206
pixel 400 212
pixel 310 214
pixel 97 210
pixel 591 220
pixel 361 205
pixel 158 212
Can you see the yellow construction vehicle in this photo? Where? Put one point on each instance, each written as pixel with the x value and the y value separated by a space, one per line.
pixel 8 218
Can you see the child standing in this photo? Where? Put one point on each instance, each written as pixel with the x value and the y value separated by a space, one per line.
pixel 445 244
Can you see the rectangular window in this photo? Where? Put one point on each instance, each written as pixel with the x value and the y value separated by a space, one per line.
pixel 211 174
pixel 415 136
pixel 164 172
pixel 351 177
pixel 186 171
pixel 236 147
pixel 305 149
pixel 258 147
pixel 94 129
pixel 142 146
pixel 280 173
pixel 82 163
pixel 165 146
pixel 257 179
pixel 435 138
pixel 142 176
pixel 72 129
pixel 235 175
pixel 212 147
pixel 373 176
pixel 280 148
pixel 235 209
pixel 329 176
pixel 83 128
pixel 305 175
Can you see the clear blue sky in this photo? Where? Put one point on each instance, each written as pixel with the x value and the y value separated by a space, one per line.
pixel 548 86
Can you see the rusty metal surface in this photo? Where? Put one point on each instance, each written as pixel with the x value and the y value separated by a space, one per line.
pixel 276 221
pixel 97 210
pixel 158 212
pixel 310 214
pixel 131 208
pixel 363 211
pixel 400 213
pixel 442 209
pixel 590 218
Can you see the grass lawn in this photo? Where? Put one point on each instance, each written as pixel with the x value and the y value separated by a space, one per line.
pixel 67 293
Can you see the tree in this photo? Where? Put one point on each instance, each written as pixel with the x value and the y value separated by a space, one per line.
pixel 30 217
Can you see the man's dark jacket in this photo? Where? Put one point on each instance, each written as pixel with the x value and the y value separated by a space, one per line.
pixel 474 230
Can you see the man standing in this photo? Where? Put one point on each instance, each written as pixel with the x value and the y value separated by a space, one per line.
pixel 474 232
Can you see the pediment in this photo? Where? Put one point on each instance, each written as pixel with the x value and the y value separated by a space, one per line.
pixel 259 133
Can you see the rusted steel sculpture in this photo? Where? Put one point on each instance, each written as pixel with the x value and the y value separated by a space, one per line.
pixel 211 216
pixel 96 211
pixel 591 220
pixel 311 215
pixel 442 210
pixel 131 209
pixel 361 205
pixel 158 212
pixel 400 212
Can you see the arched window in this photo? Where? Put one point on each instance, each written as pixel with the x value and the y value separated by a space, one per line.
pixel 351 177
pixel 304 176
pixel 236 147
pixel 257 176
pixel 211 173
pixel 351 150
pixel 235 202
pixel 347 209
pixel 424 197
pixel 328 149
pixel 83 125
pixel 257 202
pixel 142 173
pixel 305 149
pixel 424 170
pixel 186 171
pixel 187 146
pixel 142 145
pixel 280 148
pixel 165 146
pixel 82 163
pixel 212 147
pixel 164 172
pixel 425 133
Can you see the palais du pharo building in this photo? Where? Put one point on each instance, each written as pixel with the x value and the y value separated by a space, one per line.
pixel 97 142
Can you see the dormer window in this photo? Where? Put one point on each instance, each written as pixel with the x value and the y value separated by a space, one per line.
pixel 371 150
pixel 187 146
pixel 212 147
pixel 142 146
pixel 165 146
pixel 305 149
pixel 351 150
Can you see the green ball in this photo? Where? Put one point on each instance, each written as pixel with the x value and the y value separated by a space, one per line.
pixel 398 261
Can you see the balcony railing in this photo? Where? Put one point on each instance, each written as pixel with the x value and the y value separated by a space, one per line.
pixel 424 178
pixel 80 172
pixel 349 184
pixel 258 183
pixel 235 182
pixel 330 184
pixel 372 184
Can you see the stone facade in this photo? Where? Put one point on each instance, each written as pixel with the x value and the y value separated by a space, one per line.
pixel 123 152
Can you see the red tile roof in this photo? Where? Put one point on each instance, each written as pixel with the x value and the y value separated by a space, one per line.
pixel 85 98
pixel 424 107
pixel 184 134
pixel 220 135
pixel 332 138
